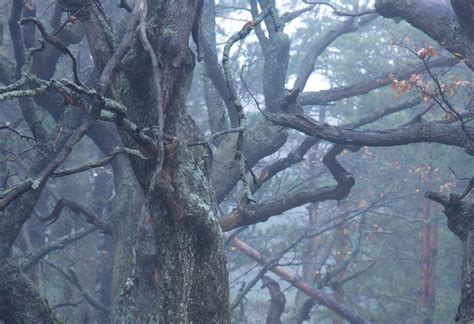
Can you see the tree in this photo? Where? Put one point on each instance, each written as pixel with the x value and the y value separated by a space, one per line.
pixel 169 262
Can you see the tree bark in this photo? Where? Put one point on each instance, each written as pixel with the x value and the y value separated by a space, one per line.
pixel 169 262
pixel 437 20
pixel 19 300
pixel 428 235
pixel 460 214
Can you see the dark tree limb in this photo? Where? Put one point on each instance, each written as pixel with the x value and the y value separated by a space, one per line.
pixel 289 16
pixel 423 132
pixel 297 155
pixel 459 210
pixel 242 119
pixel 78 209
pixel 214 72
pixel 277 301
pixel 56 42
pixel 437 21
pixel 464 9
pixel 338 11
pixel 248 215
pixel 97 164
pixel 366 85
pixel 317 48
pixel 33 258
pixel 117 57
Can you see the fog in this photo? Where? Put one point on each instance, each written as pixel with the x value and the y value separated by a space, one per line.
pixel 234 161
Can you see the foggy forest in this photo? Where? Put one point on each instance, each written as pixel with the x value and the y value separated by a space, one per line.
pixel 236 161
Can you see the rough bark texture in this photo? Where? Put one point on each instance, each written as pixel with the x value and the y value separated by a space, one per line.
pixel 19 300
pixel 460 214
pixel 172 268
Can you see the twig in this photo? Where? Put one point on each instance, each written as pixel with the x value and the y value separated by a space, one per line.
pixel 338 12
pixel 76 208
pixel 33 183
pixel 34 257
pixel 56 42
pixel 71 276
pixel 98 163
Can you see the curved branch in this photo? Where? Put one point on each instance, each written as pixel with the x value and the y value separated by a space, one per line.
pixel 248 215
pixel 78 209
pixel 322 42
pixel 437 21
pixel 297 155
pixel 423 132
pixel 325 97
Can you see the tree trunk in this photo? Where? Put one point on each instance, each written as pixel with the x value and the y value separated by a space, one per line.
pixel 428 235
pixel 169 262
pixel 19 300
pixel 277 300
pixel 460 214
pixel 342 245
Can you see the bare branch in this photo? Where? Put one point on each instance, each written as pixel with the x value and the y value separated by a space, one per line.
pixel 328 301
pixel 297 155
pixel 289 16
pixel 143 12
pixel 239 155
pixel 71 276
pixel 423 132
pixel 56 42
pixel 119 54
pixel 98 163
pixel 322 42
pixel 34 257
pixel 339 12
pixel 40 179
pixel 366 85
pixel 248 215
pixel 76 208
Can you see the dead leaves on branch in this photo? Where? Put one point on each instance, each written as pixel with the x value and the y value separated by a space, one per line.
pixel 425 88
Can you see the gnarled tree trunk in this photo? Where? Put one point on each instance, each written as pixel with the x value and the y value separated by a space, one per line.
pixel 460 214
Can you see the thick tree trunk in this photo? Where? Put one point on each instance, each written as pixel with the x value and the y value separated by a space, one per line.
pixel 169 263
pixel 460 214
pixel 19 300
